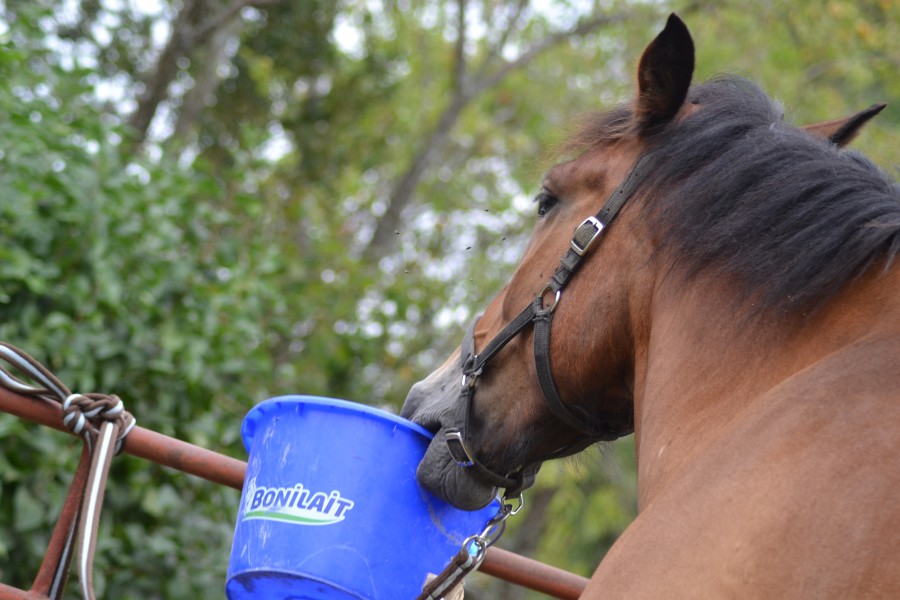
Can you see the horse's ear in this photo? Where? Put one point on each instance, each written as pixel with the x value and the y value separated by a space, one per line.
pixel 842 131
pixel 664 75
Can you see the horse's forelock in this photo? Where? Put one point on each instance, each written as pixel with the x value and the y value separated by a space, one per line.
pixel 594 130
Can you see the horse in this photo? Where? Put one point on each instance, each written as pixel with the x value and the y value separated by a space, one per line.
pixel 731 296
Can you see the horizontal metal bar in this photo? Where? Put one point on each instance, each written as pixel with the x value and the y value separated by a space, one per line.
pixel 141 442
pixel 221 469
pixel 532 574
pixel 11 593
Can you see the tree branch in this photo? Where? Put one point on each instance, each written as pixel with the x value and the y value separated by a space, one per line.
pixel 582 28
pixel 188 32
pixel 459 67
pixel 206 79
pixel 401 195
pixel 497 50
pixel 387 229
pixel 156 85
pixel 205 29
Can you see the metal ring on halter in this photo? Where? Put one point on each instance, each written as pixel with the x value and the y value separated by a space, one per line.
pixel 556 296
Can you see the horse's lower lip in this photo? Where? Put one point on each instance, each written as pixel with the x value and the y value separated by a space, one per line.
pixel 439 474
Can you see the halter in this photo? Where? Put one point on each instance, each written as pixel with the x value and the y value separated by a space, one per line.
pixel 541 316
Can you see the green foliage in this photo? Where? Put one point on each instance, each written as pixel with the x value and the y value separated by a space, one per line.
pixel 113 274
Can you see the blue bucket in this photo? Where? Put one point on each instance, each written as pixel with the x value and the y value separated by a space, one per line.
pixel 331 508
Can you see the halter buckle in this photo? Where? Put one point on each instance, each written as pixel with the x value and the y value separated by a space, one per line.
pixel 457 447
pixel 585 234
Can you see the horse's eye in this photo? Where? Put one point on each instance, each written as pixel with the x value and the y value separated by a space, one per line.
pixel 545 202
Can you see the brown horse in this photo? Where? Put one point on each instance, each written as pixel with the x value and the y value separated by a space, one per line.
pixel 741 316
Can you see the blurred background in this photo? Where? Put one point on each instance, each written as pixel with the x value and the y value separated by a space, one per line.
pixel 206 203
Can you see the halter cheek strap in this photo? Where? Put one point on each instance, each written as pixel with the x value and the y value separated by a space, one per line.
pixel 541 316
pixel 455 437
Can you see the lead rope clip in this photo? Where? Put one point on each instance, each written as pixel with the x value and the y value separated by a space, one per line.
pixel 448 584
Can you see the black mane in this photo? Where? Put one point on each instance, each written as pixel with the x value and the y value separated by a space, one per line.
pixel 789 218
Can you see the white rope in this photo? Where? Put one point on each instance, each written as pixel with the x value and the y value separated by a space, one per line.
pixel 93 502
pixel 61 568
pixel 13 357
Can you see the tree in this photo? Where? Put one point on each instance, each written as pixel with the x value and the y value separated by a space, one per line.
pixel 119 275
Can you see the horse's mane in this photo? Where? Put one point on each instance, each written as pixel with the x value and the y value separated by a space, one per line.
pixel 789 218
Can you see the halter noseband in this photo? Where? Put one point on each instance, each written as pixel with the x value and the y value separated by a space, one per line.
pixel 473 364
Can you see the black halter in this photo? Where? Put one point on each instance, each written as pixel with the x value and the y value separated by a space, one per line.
pixel 541 315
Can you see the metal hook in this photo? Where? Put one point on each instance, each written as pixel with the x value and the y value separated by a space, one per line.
pixel 521 502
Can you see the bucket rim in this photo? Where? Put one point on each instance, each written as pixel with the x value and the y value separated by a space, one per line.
pixel 344 405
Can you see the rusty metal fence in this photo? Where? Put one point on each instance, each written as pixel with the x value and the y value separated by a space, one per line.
pixel 223 470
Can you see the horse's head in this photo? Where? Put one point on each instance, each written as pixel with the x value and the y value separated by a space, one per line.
pixel 514 395
pixel 509 427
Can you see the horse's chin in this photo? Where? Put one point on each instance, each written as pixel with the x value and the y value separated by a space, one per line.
pixel 439 474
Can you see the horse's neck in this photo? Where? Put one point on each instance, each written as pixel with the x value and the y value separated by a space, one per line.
pixel 702 369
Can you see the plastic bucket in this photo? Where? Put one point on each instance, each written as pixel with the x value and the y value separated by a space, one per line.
pixel 331 508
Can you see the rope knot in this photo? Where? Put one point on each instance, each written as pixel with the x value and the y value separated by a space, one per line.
pixel 92 410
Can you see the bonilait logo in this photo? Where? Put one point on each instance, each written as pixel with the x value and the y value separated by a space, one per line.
pixel 295 505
